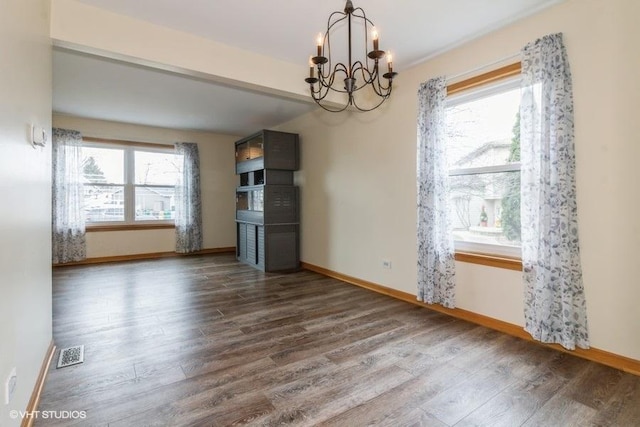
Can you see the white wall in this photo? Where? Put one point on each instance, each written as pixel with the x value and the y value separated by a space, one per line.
pixel 359 172
pixel 25 186
pixel 217 178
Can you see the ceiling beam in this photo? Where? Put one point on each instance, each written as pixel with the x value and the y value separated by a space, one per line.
pixel 80 27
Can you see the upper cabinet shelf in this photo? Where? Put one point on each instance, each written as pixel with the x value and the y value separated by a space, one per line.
pixel 267 149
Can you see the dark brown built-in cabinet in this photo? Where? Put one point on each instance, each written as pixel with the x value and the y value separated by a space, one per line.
pixel 267 217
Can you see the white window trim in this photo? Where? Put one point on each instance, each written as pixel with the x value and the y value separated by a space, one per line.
pixel 507 167
pixel 488 249
pixel 129 183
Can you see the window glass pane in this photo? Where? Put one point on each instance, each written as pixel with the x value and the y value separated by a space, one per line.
pixel 153 168
pixel 480 131
pixel 485 208
pixel 103 165
pixel 256 200
pixel 103 203
pixel 155 203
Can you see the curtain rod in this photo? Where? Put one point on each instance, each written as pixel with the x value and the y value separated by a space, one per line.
pixel 483 67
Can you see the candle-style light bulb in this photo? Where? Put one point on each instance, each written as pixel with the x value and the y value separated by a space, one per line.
pixel 374 37
pixel 319 43
pixel 310 67
pixel 390 61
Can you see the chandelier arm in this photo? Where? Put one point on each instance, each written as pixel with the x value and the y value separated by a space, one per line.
pixel 329 66
pixel 339 68
pixel 373 79
pixel 337 12
pixel 354 103
pixel 319 94
pixel 379 88
pixel 327 34
pixel 339 110
pixel 367 75
pixel 367 22
pixel 363 16
pixel 382 99
pixel 380 91
pixel 326 80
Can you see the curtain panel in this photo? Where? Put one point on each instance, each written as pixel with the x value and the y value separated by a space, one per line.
pixel 67 216
pixel 436 253
pixel 555 308
pixel 188 216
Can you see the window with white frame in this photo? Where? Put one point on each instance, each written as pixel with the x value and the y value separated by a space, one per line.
pixel 483 156
pixel 129 184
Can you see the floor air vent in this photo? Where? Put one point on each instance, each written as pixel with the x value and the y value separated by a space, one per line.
pixel 71 356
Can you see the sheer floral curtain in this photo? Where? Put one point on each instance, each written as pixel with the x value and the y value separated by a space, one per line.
pixel 188 218
pixel 555 309
pixel 68 227
pixel 436 265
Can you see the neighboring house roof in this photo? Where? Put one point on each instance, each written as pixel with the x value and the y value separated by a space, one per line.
pixel 493 145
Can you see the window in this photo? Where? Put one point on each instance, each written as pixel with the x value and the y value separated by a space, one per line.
pixel 129 184
pixel 483 157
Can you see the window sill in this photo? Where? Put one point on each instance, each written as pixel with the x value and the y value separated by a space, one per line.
pixel 490 260
pixel 127 227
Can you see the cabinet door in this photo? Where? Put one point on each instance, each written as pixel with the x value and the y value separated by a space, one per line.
pixel 281 245
pixel 261 248
pixel 252 246
pixel 280 204
pixel 280 150
pixel 242 242
pixel 250 154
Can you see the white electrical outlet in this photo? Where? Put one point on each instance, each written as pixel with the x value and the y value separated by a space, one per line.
pixel 10 386
pixel 386 264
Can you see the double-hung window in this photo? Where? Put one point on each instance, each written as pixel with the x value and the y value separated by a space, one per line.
pixel 483 156
pixel 129 184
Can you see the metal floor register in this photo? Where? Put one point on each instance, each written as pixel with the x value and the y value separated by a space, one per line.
pixel 71 356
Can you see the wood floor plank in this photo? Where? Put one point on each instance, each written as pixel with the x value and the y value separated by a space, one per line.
pixel 594 386
pixel 385 339
pixel 337 393
pixel 516 404
pixel 354 334
pixel 392 406
pixel 561 411
pixel 623 406
pixel 206 341
pixel 454 403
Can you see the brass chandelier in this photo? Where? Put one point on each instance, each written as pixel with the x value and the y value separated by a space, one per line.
pixel 326 77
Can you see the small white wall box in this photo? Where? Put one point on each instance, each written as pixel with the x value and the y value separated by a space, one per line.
pixel 38 136
pixel 10 386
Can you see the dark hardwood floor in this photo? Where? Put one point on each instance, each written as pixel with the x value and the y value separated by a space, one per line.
pixel 205 341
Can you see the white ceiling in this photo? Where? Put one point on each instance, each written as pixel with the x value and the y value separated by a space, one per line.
pixel 285 29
